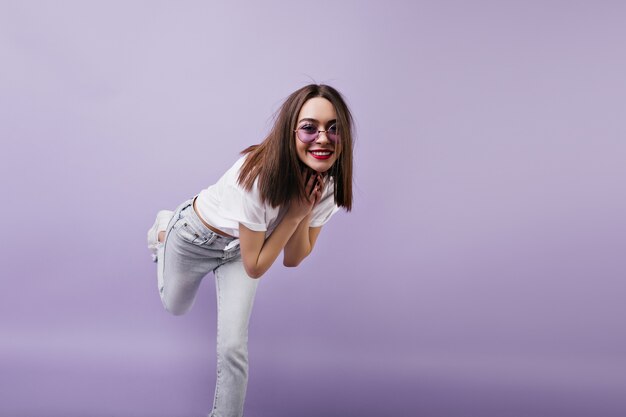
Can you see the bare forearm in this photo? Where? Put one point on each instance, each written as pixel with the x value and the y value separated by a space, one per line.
pixel 299 245
pixel 274 245
pixel 259 254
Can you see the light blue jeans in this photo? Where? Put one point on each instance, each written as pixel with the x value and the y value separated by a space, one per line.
pixel 190 251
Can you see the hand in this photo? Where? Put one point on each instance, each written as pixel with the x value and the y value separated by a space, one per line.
pixel 300 208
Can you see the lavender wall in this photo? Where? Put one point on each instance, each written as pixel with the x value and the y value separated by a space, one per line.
pixel 481 272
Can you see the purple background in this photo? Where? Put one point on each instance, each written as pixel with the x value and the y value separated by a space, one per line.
pixel 481 272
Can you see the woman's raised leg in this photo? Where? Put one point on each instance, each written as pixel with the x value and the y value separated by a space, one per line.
pixel 181 265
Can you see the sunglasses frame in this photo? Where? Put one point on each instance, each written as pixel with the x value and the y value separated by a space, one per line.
pixel 317 135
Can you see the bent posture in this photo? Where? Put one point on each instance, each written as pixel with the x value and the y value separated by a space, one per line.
pixel 274 199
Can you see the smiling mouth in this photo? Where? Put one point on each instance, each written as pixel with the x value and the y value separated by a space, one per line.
pixel 321 154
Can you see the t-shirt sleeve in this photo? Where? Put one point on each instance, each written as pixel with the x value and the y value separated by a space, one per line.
pixel 325 209
pixel 245 207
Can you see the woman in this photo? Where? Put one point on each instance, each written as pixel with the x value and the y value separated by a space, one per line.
pixel 275 198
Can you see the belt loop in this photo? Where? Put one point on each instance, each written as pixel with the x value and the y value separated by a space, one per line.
pixel 232 244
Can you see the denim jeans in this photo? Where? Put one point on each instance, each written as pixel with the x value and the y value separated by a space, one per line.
pixel 190 251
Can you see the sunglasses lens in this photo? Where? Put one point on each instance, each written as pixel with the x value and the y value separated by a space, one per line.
pixel 332 134
pixel 307 134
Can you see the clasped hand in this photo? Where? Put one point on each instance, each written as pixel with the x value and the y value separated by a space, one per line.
pixel 314 185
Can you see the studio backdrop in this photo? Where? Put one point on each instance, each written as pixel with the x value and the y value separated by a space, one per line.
pixel 480 273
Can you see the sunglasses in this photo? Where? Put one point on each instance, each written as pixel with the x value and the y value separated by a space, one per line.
pixel 308 133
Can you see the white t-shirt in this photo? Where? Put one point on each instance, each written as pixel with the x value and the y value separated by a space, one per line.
pixel 226 204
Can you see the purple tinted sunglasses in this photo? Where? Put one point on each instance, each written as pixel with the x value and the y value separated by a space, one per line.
pixel 307 133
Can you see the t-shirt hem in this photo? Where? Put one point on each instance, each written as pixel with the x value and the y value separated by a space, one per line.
pixel 256 227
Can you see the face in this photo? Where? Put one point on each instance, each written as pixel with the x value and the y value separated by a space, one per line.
pixel 320 154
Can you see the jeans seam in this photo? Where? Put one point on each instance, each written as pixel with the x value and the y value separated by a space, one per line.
pixel 218 370
pixel 168 230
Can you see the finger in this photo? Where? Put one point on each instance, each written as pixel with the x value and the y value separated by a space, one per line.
pixel 315 180
pixel 318 197
pixel 322 182
pixel 316 188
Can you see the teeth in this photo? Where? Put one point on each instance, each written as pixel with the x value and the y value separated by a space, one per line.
pixel 321 153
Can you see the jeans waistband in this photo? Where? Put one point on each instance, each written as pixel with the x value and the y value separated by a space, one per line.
pixel 193 218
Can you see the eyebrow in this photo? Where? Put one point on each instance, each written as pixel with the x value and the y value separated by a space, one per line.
pixel 308 119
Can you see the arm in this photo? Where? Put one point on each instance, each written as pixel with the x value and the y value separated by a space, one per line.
pixel 259 254
pixel 301 243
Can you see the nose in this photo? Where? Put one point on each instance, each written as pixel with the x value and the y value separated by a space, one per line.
pixel 319 137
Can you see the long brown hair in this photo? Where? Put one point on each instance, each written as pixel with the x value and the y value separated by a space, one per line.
pixel 276 164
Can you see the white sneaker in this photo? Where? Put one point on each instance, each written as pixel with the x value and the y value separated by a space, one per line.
pixel 163 218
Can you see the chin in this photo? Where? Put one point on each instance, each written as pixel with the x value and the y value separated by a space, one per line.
pixel 320 167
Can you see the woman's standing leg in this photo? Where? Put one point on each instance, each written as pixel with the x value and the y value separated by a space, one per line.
pixel 235 298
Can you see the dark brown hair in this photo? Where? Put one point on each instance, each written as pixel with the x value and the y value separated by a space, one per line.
pixel 276 164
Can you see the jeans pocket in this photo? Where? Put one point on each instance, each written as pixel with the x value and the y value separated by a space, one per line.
pixel 190 233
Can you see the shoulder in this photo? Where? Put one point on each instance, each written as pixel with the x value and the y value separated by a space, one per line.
pixel 236 167
pixel 231 176
pixel 234 188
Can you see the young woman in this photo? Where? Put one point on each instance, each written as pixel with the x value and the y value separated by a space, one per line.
pixel 275 198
